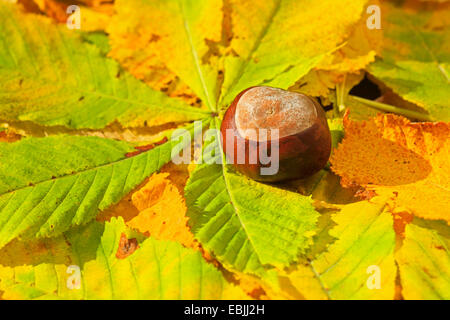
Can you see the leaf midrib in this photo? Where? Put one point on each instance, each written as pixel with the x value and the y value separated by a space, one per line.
pixel 233 201
pixel 364 231
pixel 131 101
pixel 94 168
pixel 320 275
pixel 187 30
pixel 429 50
pixel 256 45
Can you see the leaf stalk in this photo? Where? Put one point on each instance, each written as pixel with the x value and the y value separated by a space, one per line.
pixel 389 108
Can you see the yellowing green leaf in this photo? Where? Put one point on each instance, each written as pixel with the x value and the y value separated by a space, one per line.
pixel 364 238
pixel 416 56
pixel 424 263
pixel 156 270
pixel 48 75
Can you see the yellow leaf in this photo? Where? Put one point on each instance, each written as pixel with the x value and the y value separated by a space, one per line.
pixel 177 36
pixel 138 51
pixel 359 50
pixel 319 83
pixel 95 19
pixel 344 65
pixel 162 211
pixel 147 66
pixel 396 158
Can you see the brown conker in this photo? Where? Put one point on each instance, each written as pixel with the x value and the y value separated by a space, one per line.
pixel 303 142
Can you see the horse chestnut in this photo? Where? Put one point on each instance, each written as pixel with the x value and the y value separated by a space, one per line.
pixel 270 134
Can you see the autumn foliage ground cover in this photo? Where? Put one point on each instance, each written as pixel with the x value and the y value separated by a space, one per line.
pixel 91 206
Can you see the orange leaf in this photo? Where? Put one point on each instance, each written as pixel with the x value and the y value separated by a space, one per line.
pixel 395 157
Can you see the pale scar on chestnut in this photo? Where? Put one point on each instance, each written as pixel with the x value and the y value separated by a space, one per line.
pixel 303 139
pixel 272 108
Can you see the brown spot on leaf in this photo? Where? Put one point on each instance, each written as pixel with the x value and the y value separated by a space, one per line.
pixel 154 38
pixel 132 154
pixel 126 247
pixel 365 194
pixel 401 219
pixel 9 136
pixel 431 275
pixel 147 147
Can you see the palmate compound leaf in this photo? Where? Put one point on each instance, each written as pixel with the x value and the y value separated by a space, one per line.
pixel 48 75
pixel 424 261
pixel 243 43
pixel 405 161
pixel 256 44
pixel 246 225
pixel 155 270
pixel 50 184
pixel 415 60
pixel 349 268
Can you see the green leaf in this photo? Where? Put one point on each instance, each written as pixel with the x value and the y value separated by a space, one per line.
pixel 48 75
pixel 416 57
pixel 279 41
pixel 424 262
pixel 156 270
pixel 364 237
pixel 50 184
pixel 246 224
pixel 33 160
pixel 97 38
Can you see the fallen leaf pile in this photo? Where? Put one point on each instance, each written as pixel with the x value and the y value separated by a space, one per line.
pixel 91 206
